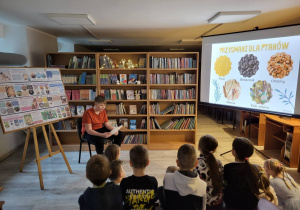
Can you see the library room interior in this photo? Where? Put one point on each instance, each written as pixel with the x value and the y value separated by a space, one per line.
pixel 104 105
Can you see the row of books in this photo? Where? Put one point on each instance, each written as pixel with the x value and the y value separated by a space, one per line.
pixel 135 139
pixel 179 123
pixel 65 125
pixel 173 94
pixel 173 78
pixel 85 62
pixel 106 79
pixel 84 78
pixel 113 94
pixel 172 63
pixel 124 122
pixel 173 109
pixel 119 109
pixel 83 94
pixel 109 63
pixel 79 110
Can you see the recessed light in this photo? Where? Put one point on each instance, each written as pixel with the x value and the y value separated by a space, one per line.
pixel 101 41
pixel 190 41
pixel 235 16
pixel 71 19
pixel 113 49
pixel 176 49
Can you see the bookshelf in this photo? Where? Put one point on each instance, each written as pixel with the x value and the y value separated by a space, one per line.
pixel 179 69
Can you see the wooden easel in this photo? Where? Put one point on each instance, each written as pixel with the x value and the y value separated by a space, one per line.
pixel 37 153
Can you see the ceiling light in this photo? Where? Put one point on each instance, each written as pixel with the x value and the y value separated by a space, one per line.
pixel 72 19
pixel 229 17
pixel 190 41
pixel 176 49
pixel 101 41
pixel 113 49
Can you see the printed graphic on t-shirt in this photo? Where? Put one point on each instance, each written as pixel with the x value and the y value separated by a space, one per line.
pixel 139 198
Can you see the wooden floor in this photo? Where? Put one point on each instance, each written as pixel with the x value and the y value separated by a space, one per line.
pixel 62 189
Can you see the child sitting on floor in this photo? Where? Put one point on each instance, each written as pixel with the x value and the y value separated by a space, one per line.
pixel 112 152
pixel 210 170
pixel 102 195
pixel 183 189
pixel 283 184
pixel 139 190
pixel 117 171
pixel 241 189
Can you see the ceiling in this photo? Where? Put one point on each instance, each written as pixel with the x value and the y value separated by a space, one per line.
pixel 145 24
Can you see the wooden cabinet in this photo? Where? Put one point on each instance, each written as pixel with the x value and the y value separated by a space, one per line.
pixel 143 65
pixel 282 134
pixel 249 123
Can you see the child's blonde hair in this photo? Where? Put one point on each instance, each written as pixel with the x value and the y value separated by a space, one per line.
pixel 264 183
pixel 276 166
pixel 172 169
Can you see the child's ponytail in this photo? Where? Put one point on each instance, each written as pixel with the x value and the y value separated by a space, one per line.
pixel 207 145
pixel 264 184
pixel 278 168
pixel 244 149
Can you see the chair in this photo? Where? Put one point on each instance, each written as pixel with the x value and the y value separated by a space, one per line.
pixel 82 140
pixel 1 202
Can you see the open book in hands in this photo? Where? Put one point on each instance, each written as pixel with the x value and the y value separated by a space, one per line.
pixel 116 129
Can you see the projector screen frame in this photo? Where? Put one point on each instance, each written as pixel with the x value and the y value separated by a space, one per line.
pixel 291 115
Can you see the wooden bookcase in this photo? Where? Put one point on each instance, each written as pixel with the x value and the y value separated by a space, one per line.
pixel 156 138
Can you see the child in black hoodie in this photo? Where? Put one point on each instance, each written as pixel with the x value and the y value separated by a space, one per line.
pixel 106 196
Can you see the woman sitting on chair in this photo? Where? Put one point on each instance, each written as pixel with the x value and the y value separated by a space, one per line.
pixel 92 126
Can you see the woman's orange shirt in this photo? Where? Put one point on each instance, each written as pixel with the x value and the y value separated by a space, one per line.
pixel 90 117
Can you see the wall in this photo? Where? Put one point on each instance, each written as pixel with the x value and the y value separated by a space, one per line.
pixel 38 44
pixel 65 46
pixel 33 45
pixel 15 41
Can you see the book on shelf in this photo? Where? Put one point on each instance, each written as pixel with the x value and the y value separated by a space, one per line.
pixel 167 110
pixel 72 109
pixel 142 63
pixel 124 122
pixel 82 79
pixel 143 124
pixel 135 139
pixel 130 94
pixel 143 109
pixel 113 94
pixel 132 125
pixel 69 94
pixel 173 94
pixel 132 109
pixel 113 122
pixel 88 107
pixel 154 109
pixel 123 79
pixel 132 78
pixel 143 94
pixel 80 110
pixel 121 109
pixel 69 124
pixel 143 78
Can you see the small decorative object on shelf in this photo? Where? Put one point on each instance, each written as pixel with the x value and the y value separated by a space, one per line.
pixel 137 94
pixel 122 63
pixel 118 82
pixel 132 124
pixel 138 82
